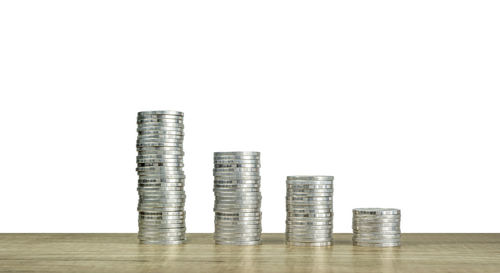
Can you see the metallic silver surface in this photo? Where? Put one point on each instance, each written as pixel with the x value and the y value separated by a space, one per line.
pixel 161 177
pixel 237 218
pixel 376 227
pixel 309 218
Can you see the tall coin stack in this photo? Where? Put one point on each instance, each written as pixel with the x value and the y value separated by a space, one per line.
pixel 309 207
pixel 376 227
pixel 161 178
pixel 237 198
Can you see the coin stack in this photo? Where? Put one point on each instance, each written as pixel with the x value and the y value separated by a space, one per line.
pixel 309 207
pixel 161 178
pixel 237 198
pixel 376 227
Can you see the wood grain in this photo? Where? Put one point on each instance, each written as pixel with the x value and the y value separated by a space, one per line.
pixel 122 253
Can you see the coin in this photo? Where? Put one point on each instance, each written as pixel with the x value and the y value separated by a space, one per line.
pixel 291 243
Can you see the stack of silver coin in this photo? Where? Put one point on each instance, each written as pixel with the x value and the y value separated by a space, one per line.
pixel 237 198
pixel 161 177
pixel 309 207
pixel 377 227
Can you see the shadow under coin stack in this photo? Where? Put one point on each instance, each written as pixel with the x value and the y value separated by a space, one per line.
pixel 309 207
pixel 161 178
pixel 237 198
pixel 376 227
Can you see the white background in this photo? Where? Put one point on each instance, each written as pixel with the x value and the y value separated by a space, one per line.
pixel 399 100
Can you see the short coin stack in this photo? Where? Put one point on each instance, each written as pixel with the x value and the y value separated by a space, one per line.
pixel 161 178
pixel 237 198
pixel 309 207
pixel 377 227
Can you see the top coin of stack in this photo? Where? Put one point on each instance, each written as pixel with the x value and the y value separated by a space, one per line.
pixel 161 177
pixel 237 198
pixel 309 207
pixel 377 227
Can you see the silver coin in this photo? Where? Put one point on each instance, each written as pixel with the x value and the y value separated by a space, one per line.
pixel 309 198
pixel 237 161
pixel 239 153
pixel 309 177
pixel 375 228
pixel 160 138
pixel 175 235
pixel 161 126
pixel 176 164
pixel 164 133
pixel 154 143
pixel 308 235
pixel 380 225
pixel 162 169
pixel 161 155
pixel 233 222
pixel 155 231
pixel 238 223
pixel 376 211
pixel 377 217
pixel 169 207
pixel 145 204
pixel 160 162
pixel 160 130
pixel 239 214
pixel 308 240
pixel 232 199
pixel 328 192
pixel 237 238
pixel 299 231
pixel 160 150
pixel 376 221
pixel 161 186
pixel 153 213
pixel 237 188
pixel 152 180
pixel 160 117
pixel 377 244
pixel 394 242
pixel 237 192
pixel 161 232
pixel 168 195
pixel 162 217
pixel 225 210
pixel 301 218
pixel 241 234
pixel 145 227
pixel 177 146
pixel 169 237
pixel 235 176
pixel 318 244
pixel 154 223
pixel 236 169
pixel 161 112
pixel 223 219
pixel 309 223
pixel 147 121
pixel 243 183
pixel 248 243
pixel 366 235
pixel 236 166
pixel 309 215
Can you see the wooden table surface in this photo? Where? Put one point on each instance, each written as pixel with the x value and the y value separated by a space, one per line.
pixel 121 253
